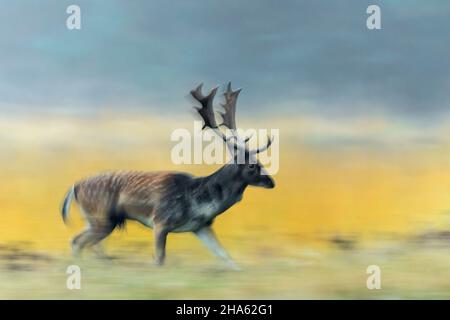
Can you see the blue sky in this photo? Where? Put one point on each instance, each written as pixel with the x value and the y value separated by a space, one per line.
pixel 291 57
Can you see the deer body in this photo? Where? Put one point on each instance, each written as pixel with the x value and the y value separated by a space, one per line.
pixel 179 201
pixel 164 201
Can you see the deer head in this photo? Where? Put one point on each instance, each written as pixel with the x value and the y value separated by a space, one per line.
pixel 245 160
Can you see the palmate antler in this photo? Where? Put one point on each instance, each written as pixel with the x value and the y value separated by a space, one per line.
pixel 207 111
pixel 228 117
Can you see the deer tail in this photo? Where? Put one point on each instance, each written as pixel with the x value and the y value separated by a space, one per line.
pixel 66 203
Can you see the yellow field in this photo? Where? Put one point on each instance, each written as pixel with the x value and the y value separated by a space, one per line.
pixel 366 193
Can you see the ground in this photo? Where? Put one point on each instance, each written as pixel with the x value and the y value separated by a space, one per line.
pixel 409 270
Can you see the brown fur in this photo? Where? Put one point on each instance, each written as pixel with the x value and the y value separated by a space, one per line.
pixel 108 199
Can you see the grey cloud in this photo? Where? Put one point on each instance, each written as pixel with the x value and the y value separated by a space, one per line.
pixel 314 57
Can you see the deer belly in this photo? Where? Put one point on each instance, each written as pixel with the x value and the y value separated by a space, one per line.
pixel 199 217
pixel 192 225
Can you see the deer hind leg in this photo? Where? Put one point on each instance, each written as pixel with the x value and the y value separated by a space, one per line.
pixel 209 239
pixel 100 251
pixel 80 241
pixel 91 237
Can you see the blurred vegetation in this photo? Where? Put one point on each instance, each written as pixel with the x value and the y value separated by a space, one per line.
pixel 335 211
pixel 408 271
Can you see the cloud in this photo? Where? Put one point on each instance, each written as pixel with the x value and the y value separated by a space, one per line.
pixel 302 57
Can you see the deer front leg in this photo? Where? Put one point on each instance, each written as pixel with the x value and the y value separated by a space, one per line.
pixel 209 239
pixel 160 244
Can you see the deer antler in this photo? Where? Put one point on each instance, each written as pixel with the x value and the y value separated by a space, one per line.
pixel 207 110
pixel 228 117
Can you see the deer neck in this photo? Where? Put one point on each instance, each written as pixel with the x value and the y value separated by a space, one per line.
pixel 222 189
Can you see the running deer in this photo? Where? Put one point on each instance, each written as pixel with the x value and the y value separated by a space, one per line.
pixel 171 201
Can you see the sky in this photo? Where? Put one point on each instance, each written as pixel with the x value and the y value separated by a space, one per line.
pixel 295 57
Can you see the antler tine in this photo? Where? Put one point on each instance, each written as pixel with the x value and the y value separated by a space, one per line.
pixel 247 139
pixel 258 150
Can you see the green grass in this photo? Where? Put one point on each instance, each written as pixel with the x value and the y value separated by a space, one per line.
pixel 409 271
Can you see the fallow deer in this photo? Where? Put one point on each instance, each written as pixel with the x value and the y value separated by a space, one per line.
pixel 172 201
